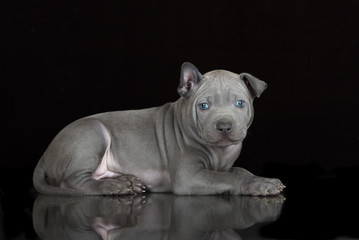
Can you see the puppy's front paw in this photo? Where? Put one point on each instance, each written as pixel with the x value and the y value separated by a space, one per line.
pixel 259 186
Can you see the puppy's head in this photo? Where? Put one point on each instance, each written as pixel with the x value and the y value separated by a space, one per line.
pixel 220 103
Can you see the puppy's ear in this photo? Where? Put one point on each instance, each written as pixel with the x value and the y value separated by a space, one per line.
pixel 254 85
pixel 190 77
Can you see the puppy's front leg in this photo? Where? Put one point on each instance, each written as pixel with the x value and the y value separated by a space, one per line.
pixel 250 182
pixel 193 181
pixel 243 173
pixel 205 182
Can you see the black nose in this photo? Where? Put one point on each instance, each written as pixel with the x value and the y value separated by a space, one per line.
pixel 224 127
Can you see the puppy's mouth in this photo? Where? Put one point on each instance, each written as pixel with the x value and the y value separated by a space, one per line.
pixel 225 141
pixel 215 138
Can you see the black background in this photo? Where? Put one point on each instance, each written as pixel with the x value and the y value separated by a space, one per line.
pixel 63 60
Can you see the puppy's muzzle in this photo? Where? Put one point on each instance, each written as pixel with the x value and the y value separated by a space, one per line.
pixel 224 126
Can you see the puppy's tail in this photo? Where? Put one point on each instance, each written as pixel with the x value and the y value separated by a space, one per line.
pixel 42 186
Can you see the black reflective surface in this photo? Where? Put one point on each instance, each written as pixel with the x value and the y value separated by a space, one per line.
pixel 313 206
pixel 155 216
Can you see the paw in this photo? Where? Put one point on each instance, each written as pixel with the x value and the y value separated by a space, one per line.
pixel 116 187
pixel 259 186
pixel 133 183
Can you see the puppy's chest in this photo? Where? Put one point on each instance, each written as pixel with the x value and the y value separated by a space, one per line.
pixel 222 160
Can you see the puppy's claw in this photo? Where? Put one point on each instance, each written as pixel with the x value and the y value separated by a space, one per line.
pixel 281 187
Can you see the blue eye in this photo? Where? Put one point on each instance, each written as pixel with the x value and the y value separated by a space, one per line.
pixel 240 103
pixel 204 106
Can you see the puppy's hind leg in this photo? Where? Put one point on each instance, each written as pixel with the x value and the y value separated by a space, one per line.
pixel 76 163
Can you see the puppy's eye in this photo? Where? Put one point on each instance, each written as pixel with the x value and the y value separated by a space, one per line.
pixel 204 106
pixel 240 103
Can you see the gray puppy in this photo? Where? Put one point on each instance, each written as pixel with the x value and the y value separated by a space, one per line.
pixel 187 147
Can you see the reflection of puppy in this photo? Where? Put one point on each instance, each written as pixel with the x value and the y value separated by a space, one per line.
pixel 134 217
pixel 187 147
pixel 72 217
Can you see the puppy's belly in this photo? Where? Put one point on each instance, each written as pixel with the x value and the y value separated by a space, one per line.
pixel 102 170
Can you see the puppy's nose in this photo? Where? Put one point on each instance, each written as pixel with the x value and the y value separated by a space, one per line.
pixel 224 127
